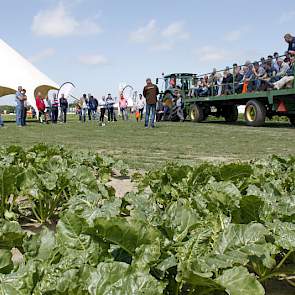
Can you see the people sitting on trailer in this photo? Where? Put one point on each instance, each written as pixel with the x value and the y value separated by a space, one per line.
pixel 291 43
pixel 258 75
pixel 247 77
pixel 275 62
pixel 215 83
pixel 193 92
pixel 203 87
pixel 283 68
pixel 268 75
pixel 288 80
pixel 227 82
pixel 238 77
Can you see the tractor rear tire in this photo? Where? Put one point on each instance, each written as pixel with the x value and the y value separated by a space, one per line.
pixel 292 120
pixel 197 113
pixel 255 113
pixel 231 114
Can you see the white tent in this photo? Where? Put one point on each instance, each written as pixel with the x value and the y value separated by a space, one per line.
pixel 16 71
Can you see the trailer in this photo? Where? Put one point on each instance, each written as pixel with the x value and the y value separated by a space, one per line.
pixel 259 105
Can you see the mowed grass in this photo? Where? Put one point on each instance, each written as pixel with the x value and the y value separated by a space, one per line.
pixel 147 148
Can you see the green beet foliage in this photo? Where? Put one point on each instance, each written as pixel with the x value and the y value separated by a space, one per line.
pixel 209 229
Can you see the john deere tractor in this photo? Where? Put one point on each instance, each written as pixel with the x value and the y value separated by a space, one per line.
pixel 180 82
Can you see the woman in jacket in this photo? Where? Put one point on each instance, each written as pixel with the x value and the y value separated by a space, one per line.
pixel 40 106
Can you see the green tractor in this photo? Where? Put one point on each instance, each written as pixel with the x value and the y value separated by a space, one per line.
pixel 180 82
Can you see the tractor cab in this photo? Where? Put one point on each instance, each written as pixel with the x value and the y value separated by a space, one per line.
pixel 180 81
pixel 171 84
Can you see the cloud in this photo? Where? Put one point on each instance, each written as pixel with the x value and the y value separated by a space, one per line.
pixel 236 34
pixel 44 54
pixel 144 34
pixel 287 17
pixel 160 39
pixel 233 35
pixel 162 46
pixel 59 22
pixel 219 57
pixel 211 54
pixel 175 30
pixel 93 59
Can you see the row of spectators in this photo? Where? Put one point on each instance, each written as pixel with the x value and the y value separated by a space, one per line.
pixel 272 72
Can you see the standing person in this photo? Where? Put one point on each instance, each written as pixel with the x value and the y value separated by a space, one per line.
pixel 140 106
pixel 89 106
pixel 150 92
pixel 78 111
pixel 54 109
pixel 1 120
pixel 96 106
pixel 291 43
pixel 110 107
pixel 102 105
pixel 19 106
pixel 47 109
pixel 63 102
pixel 92 107
pixel 25 108
pixel 40 106
pixel 123 107
pixel 83 106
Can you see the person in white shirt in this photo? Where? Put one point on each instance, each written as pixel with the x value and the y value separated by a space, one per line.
pixel 283 67
pixel 140 105
pixel 102 105
pixel 48 110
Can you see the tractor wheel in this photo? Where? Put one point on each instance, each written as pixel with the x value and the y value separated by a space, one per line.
pixel 292 120
pixel 173 115
pixel 197 113
pixel 255 113
pixel 231 114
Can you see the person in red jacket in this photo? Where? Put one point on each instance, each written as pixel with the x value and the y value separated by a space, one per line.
pixel 40 106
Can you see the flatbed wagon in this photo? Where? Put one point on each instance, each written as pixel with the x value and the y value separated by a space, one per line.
pixel 259 105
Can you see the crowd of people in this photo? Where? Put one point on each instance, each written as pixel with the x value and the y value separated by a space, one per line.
pixel 104 109
pixel 91 108
pixel 273 72
pixel 54 109
pixel 48 109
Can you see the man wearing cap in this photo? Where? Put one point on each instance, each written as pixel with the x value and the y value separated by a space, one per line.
pixel 291 41
pixel 150 92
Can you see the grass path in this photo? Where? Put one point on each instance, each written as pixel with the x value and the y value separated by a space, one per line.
pixel 145 148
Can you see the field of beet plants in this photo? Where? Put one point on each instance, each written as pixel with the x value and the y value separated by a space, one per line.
pixel 208 229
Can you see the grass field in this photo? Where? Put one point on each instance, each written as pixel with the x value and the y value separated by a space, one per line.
pixel 145 148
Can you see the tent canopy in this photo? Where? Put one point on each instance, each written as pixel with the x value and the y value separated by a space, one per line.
pixel 16 71
pixel 6 91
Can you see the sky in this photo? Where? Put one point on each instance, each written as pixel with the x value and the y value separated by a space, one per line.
pixel 97 44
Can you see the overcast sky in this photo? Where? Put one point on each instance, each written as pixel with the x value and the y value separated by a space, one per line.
pixel 96 44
